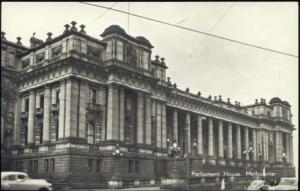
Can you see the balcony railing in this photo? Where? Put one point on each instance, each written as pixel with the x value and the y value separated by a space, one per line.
pixel 95 106
pixel 24 114
pixel 55 107
pixel 39 111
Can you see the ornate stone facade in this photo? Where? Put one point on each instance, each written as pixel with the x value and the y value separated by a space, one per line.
pixel 83 99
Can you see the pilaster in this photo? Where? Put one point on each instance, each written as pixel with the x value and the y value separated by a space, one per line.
pixel 46 119
pixel 140 118
pixel 31 117
pixel 113 113
pixel 62 110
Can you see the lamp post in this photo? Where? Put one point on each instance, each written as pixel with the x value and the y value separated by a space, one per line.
pixel 249 152
pixel 117 154
pixel 194 147
pixel 173 150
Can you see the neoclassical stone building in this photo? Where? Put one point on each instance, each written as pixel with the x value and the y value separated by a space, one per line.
pixel 100 112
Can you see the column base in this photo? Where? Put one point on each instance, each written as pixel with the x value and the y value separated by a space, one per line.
pixel 172 181
pixel 211 160
pixel 221 162
pixel 231 162
pixel 115 184
pixel 239 163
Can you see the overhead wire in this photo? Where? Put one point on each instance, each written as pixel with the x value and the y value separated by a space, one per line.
pixel 194 30
pixel 103 13
pixel 211 30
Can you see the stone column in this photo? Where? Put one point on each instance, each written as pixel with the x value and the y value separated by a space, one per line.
pixel 287 143
pixel 254 146
pixel 102 95
pixel 122 113
pixel 2 130
pixel 113 113
pixel 238 145
pixel 267 146
pixel 229 138
pixel 158 125
pixel 82 108
pixel 246 143
pixel 188 132
pixel 211 158
pixel 62 109
pixel 17 119
pixel 148 120
pixel 46 119
pixel 164 126
pixel 278 146
pixel 140 118
pixel 291 149
pixel 199 135
pixel 31 117
pixel 175 125
pixel 221 160
pixel 71 108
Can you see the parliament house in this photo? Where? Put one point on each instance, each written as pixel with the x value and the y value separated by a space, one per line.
pixel 100 113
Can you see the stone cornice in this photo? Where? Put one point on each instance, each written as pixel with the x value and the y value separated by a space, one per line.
pixel 60 37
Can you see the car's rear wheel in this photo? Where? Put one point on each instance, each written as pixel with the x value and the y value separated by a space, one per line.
pixel 43 189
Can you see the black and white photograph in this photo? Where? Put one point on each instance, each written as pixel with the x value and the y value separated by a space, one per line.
pixel 109 95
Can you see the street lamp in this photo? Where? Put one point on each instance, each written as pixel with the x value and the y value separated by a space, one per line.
pixel 173 150
pixel 284 157
pixel 194 147
pixel 249 152
pixel 117 152
pixel 116 155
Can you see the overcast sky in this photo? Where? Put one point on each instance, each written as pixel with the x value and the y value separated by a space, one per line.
pixel 202 63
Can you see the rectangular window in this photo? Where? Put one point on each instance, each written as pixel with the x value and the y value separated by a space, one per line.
pixel 40 57
pixel 93 95
pixel 41 101
pixel 99 165
pixel 92 51
pixel 35 166
pixel 90 164
pixel 11 59
pixel 30 166
pixel 57 97
pixel 25 63
pixel 21 166
pixel 120 50
pixel 52 165
pixel 145 60
pixel 56 51
pixel 26 105
pixel 109 50
pixel 137 166
pixel 56 128
pixel 130 166
pixel 77 45
pixel 46 165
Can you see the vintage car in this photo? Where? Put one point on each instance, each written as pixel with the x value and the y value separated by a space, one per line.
pixel 21 181
pixel 286 184
pixel 256 185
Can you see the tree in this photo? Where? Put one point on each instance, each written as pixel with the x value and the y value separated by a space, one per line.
pixel 8 94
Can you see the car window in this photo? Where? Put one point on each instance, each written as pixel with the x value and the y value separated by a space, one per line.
pixel 5 178
pixel 11 177
pixel 21 176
